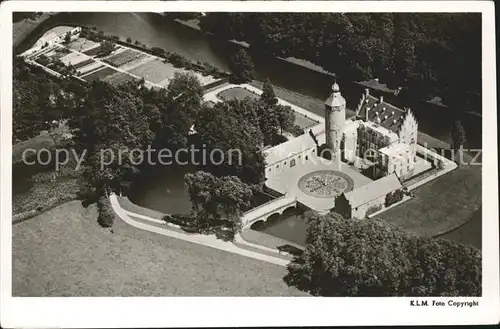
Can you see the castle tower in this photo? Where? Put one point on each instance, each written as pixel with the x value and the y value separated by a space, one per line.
pixel 334 123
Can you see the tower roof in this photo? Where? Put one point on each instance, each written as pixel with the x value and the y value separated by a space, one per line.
pixel 335 98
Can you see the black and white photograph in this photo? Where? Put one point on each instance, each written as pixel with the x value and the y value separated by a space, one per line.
pixel 297 150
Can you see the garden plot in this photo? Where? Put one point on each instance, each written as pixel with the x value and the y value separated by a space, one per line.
pixel 123 57
pixel 136 62
pixel 100 74
pixel 83 63
pixel 118 78
pixel 83 45
pixel 74 58
pixel 91 67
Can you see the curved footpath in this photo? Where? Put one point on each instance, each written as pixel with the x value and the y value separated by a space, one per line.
pixel 205 240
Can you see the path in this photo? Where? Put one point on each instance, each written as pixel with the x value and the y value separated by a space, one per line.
pixel 205 240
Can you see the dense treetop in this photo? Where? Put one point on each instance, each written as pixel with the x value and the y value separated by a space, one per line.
pixel 370 258
pixel 430 54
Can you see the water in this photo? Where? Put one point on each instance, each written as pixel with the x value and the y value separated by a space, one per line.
pixel 291 227
pixel 165 191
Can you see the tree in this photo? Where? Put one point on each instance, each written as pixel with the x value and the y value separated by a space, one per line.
pixel 421 52
pixel 458 135
pixel 241 66
pixel 106 214
pixel 179 108
pixel 268 96
pixel 286 117
pixel 67 38
pixel 218 201
pixel 129 40
pixel 371 258
pixel 109 124
pixel 234 142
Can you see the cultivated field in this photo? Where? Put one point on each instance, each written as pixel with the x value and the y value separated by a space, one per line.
pixel 124 57
pixel 118 78
pixel 64 252
pixel 100 74
pixel 89 68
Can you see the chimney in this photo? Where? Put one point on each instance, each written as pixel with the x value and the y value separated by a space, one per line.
pixel 366 114
pixel 367 92
pixel 381 99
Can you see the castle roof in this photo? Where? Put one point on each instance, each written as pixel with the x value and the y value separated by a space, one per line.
pixel 373 190
pixel 384 114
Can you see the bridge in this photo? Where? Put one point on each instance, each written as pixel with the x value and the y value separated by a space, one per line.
pixel 266 210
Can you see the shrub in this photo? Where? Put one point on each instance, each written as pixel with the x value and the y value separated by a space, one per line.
pixel 129 40
pixel 393 197
pixel 106 213
pixel 157 51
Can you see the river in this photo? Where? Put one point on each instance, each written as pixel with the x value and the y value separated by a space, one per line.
pixel 154 30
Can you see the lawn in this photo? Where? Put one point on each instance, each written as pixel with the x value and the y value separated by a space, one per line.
pixel 238 93
pixel 64 252
pixel 314 105
pixel 154 70
pixel 440 205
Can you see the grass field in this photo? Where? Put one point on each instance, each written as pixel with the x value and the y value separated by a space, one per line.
pixel 441 204
pixel 64 252
pixel 238 93
pixel 154 70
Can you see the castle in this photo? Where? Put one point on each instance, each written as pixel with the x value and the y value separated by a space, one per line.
pixel 380 136
pixel 376 147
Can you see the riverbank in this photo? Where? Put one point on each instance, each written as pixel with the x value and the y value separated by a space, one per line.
pixel 195 25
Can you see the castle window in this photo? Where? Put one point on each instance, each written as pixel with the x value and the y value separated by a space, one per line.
pixel 277 166
pixel 292 163
pixel 307 158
